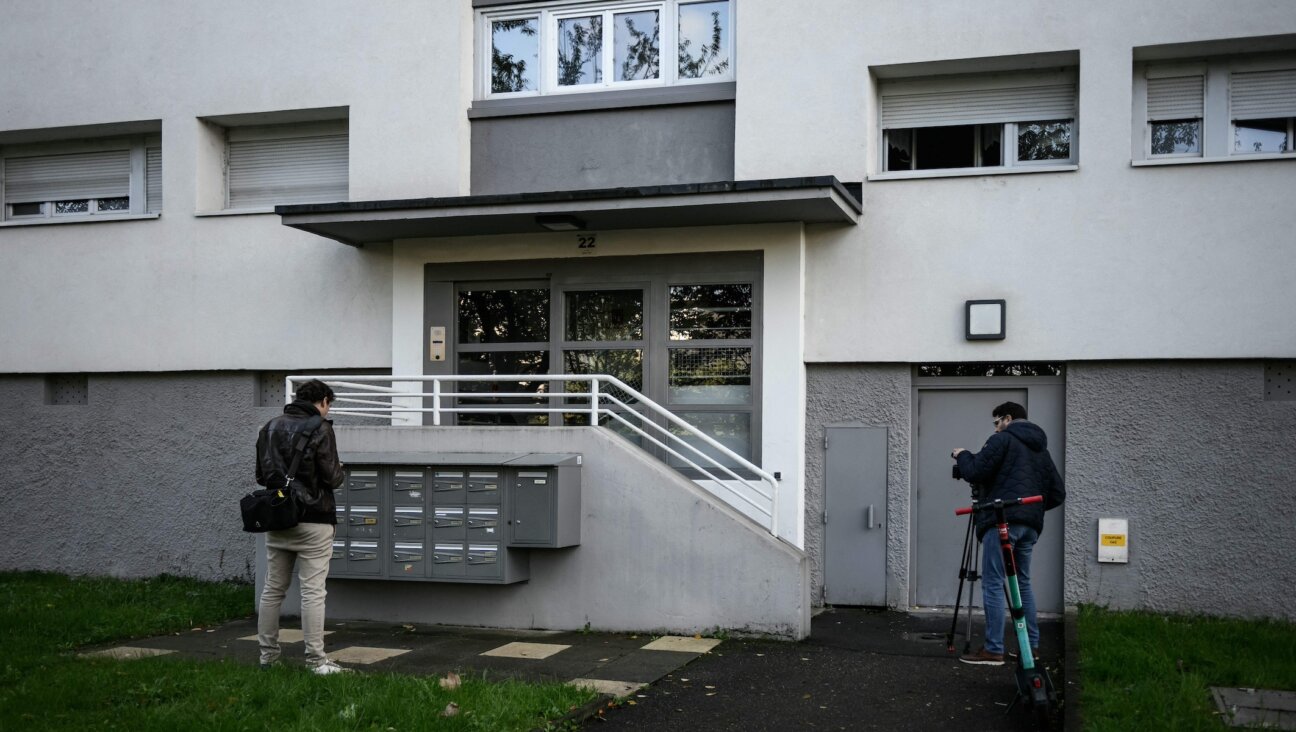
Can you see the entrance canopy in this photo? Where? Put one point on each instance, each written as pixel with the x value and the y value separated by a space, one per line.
pixel 815 200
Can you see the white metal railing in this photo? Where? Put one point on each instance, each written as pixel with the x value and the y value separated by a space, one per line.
pixel 404 399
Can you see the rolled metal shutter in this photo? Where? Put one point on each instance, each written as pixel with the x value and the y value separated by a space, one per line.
pixel 978 106
pixel 153 179
pixel 1262 94
pixel 67 177
pixel 287 170
pixel 1175 97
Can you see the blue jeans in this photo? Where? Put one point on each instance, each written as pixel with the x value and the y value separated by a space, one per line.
pixel 993 595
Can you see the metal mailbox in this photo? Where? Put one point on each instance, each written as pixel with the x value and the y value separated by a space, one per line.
pixel 448 560
pixel 362 558
pixel 407 522
pixel 407 560
pixel 362 522
pixel 455 518
pixel 448 486
pixel 408 488
pixel 483 486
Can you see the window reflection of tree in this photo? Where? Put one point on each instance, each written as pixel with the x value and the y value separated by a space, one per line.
pixel 643 55
pixel 504 316
pixel 710 312
pixel 1175 137
pixel 604 315
pixel 708 61
pixel 505 362
pixel 1044 141
pixel 509 74
pixel 579 45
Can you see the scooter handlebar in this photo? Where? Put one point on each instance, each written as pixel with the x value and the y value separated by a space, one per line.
pixel 989 504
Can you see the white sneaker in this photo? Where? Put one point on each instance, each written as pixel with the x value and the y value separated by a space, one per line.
pixel 330 667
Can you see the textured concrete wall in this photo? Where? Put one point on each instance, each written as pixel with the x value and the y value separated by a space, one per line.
pixel 606 149
pixel 141 480
pixel 1202 467
pixel 876 395
pixel 656 552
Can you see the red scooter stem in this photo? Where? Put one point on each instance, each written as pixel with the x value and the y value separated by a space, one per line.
pixel 1010 502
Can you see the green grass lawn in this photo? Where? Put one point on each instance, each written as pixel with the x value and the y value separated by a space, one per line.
pixel 45 686
pixel 1154 672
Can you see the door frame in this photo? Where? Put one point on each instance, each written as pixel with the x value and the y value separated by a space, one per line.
pixel 964 383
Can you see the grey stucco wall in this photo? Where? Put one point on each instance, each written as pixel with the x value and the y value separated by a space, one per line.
pixel 875 395
pixel 1202 467
pixel 656 551
pixel 689 143
pixel 141 480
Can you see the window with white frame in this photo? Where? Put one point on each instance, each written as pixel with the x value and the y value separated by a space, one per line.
pixel 565 48
pixel 992 121
pixel 89 179
pixel 1239 107
pixel 267 165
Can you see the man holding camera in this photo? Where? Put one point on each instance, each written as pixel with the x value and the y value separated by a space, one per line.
pixel 1014 463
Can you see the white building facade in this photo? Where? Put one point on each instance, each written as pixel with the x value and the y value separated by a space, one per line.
pixel 775 217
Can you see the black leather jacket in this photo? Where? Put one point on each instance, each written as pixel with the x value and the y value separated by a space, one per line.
pixel 320 471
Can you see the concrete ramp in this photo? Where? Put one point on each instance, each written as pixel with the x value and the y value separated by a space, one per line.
pixel 657 552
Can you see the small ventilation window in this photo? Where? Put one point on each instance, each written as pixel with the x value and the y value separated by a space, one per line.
pixel 67 389
pixel 991 369
pixel 1280 381
pixel 270 388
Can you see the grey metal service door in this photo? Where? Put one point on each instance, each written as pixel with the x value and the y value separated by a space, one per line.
pixel 855 536
pixel 952 417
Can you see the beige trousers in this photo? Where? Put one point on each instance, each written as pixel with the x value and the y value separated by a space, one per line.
pixel 309 546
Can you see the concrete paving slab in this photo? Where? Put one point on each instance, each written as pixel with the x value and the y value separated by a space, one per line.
pixel 365 655
pixel 682 643
pixel 617 689
pixel 126 653
pixel 641 664
pixel 287 635
pixel 1267 708
pixel 526 650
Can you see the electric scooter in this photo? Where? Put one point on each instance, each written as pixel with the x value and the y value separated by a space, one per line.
pixel 1034 687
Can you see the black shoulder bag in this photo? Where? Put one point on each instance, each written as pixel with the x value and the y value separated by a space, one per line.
pixel 276 509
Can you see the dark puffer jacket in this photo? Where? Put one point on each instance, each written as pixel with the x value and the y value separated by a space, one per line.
pixel 1014 463
pixel 320 471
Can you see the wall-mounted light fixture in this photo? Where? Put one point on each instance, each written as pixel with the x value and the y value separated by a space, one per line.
pixel 560 222
pixel 985 320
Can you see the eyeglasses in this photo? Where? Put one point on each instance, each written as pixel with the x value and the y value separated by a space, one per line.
pixel 997 420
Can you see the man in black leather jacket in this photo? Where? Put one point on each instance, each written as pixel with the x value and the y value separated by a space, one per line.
pixel 309 544
pixel 1014 463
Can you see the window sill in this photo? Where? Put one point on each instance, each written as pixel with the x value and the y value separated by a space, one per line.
pixel 588 101
pixel 100 219
pixel 1156 162
pixel 235 212
pixel 972 172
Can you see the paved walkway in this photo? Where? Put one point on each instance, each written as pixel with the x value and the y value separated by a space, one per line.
pixel 611 663
pixel 859 670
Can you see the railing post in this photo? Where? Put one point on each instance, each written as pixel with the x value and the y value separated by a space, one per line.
pixel 594 397
pixel 436 402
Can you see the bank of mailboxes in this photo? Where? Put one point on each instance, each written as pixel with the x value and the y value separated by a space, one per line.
pixel 455 523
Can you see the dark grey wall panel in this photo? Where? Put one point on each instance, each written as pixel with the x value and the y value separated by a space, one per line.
pixel 603 149
pixel 875 395
pixel 1203 468
pixel 141 479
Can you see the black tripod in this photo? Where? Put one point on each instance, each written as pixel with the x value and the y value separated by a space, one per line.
pixel 968 573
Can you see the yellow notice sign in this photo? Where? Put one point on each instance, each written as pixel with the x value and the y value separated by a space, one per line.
pixel 1113 540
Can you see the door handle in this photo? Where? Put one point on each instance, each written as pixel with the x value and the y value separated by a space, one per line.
pixel 869 517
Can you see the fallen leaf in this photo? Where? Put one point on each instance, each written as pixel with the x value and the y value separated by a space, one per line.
pixel 451 710
pixel 711 693
pixel 450 682
pixel 631 702
pixel 807 696
pixel 697 636
pixel 710 686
